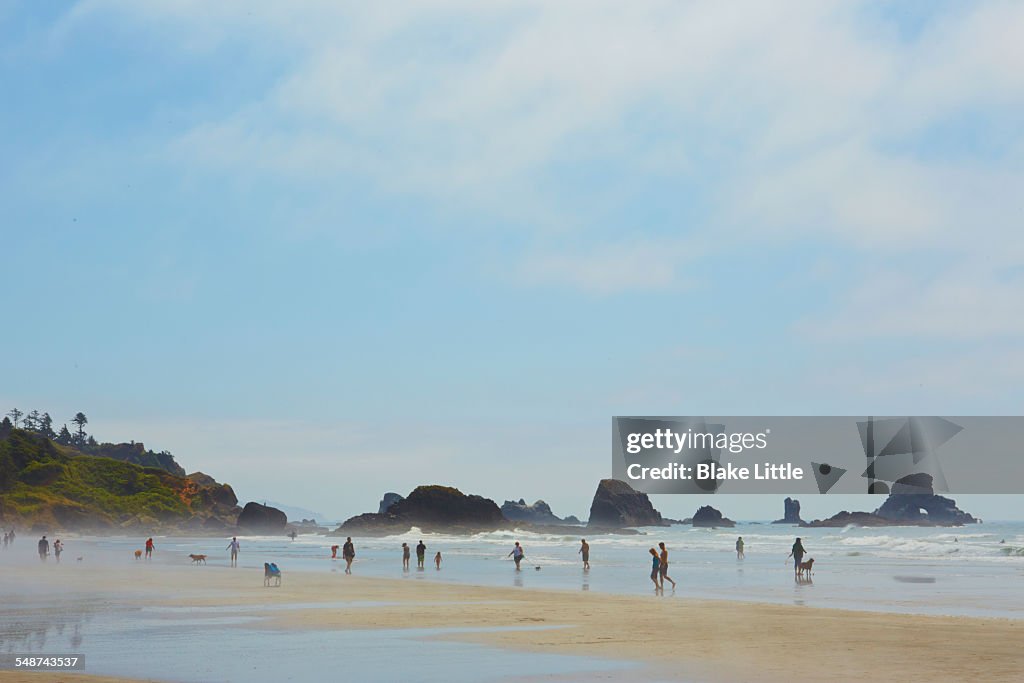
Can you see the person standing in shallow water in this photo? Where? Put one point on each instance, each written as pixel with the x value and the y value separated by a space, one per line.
pixel 437 559
pixel 405 557
pixel 44 549
pixel 739 548
pixel 585 552
pixel 797 553
pixel 421 554
pixel 517 554
pixel 58 548
pixel 149 548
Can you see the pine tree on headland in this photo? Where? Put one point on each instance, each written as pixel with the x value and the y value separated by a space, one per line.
pixel 64 437
pixel 32 421
pixel 46 426
pixel 81 420
pixel 15 416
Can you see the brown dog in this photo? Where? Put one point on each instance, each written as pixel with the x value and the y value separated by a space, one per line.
pixel 138 554
pixel 196 559
pixel 805 568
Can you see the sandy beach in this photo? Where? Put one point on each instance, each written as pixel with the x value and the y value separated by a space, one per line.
pixel 676 638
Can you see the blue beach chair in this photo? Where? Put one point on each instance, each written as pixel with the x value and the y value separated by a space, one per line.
pixel 271 574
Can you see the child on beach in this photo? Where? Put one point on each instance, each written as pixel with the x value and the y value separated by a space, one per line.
pixel 437 559
pixel 234 546
pixel 149 548
pixel 405 557
pixel 58 547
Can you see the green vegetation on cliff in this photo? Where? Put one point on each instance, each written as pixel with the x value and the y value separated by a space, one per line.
pixel 48 485
pixel 41 424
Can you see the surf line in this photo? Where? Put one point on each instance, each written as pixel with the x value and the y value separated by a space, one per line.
pixel 715 471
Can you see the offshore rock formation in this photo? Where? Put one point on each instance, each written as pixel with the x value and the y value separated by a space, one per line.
pixel 791 514
pixel 707 516
pixel 262 519
pixel 913 500
pixel 538 513
pixel 387 501
pixel 431 508
pixel 911 503
pixel 617 504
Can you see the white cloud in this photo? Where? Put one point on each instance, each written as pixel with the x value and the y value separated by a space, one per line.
pixel 804 114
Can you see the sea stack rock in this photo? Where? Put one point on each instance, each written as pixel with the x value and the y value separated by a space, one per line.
pixel 617 505
pixel 261 519
pixel 538 513
pixel 708 516
pixel 431 508
pixel 913 500
pixel 791 514
pixel 387 501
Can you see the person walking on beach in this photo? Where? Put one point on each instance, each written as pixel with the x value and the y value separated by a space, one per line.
pixel 234 547
pixel 7 540
pixel 655 569
pixel 421 554
pixel 58 547
pixel 348 551
pixel 739 548
pixel 663 566
pixel 797 553
pixel 405 557
pixel 585 552
pixel 149 548
pixel 334 552
pixel 437 559
pixel 44 549
pixel 517 554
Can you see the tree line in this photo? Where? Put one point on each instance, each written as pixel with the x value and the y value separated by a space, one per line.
pixel 42 424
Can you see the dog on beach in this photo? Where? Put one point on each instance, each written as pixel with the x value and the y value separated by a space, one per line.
pixel 805 568
pixel 138 554
pixel 196 559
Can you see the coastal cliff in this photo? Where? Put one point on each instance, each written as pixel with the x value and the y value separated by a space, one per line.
pixel 48 486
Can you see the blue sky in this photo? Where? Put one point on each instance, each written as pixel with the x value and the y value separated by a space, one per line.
pixel 373 247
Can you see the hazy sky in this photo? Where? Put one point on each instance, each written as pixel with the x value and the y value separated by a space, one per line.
pixel 323 250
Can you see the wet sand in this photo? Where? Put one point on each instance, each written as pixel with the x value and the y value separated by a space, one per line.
pixel 677 638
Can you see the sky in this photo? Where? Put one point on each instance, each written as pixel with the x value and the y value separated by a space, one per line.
pixel 324 250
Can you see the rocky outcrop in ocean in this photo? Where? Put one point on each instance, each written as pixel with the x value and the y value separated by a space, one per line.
pixel 911 503
pixel 387 501
pixel 537 513
pixel 707 516
pixel 262 519
pixel 431 508
pixel 617 504
pixel 791 514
